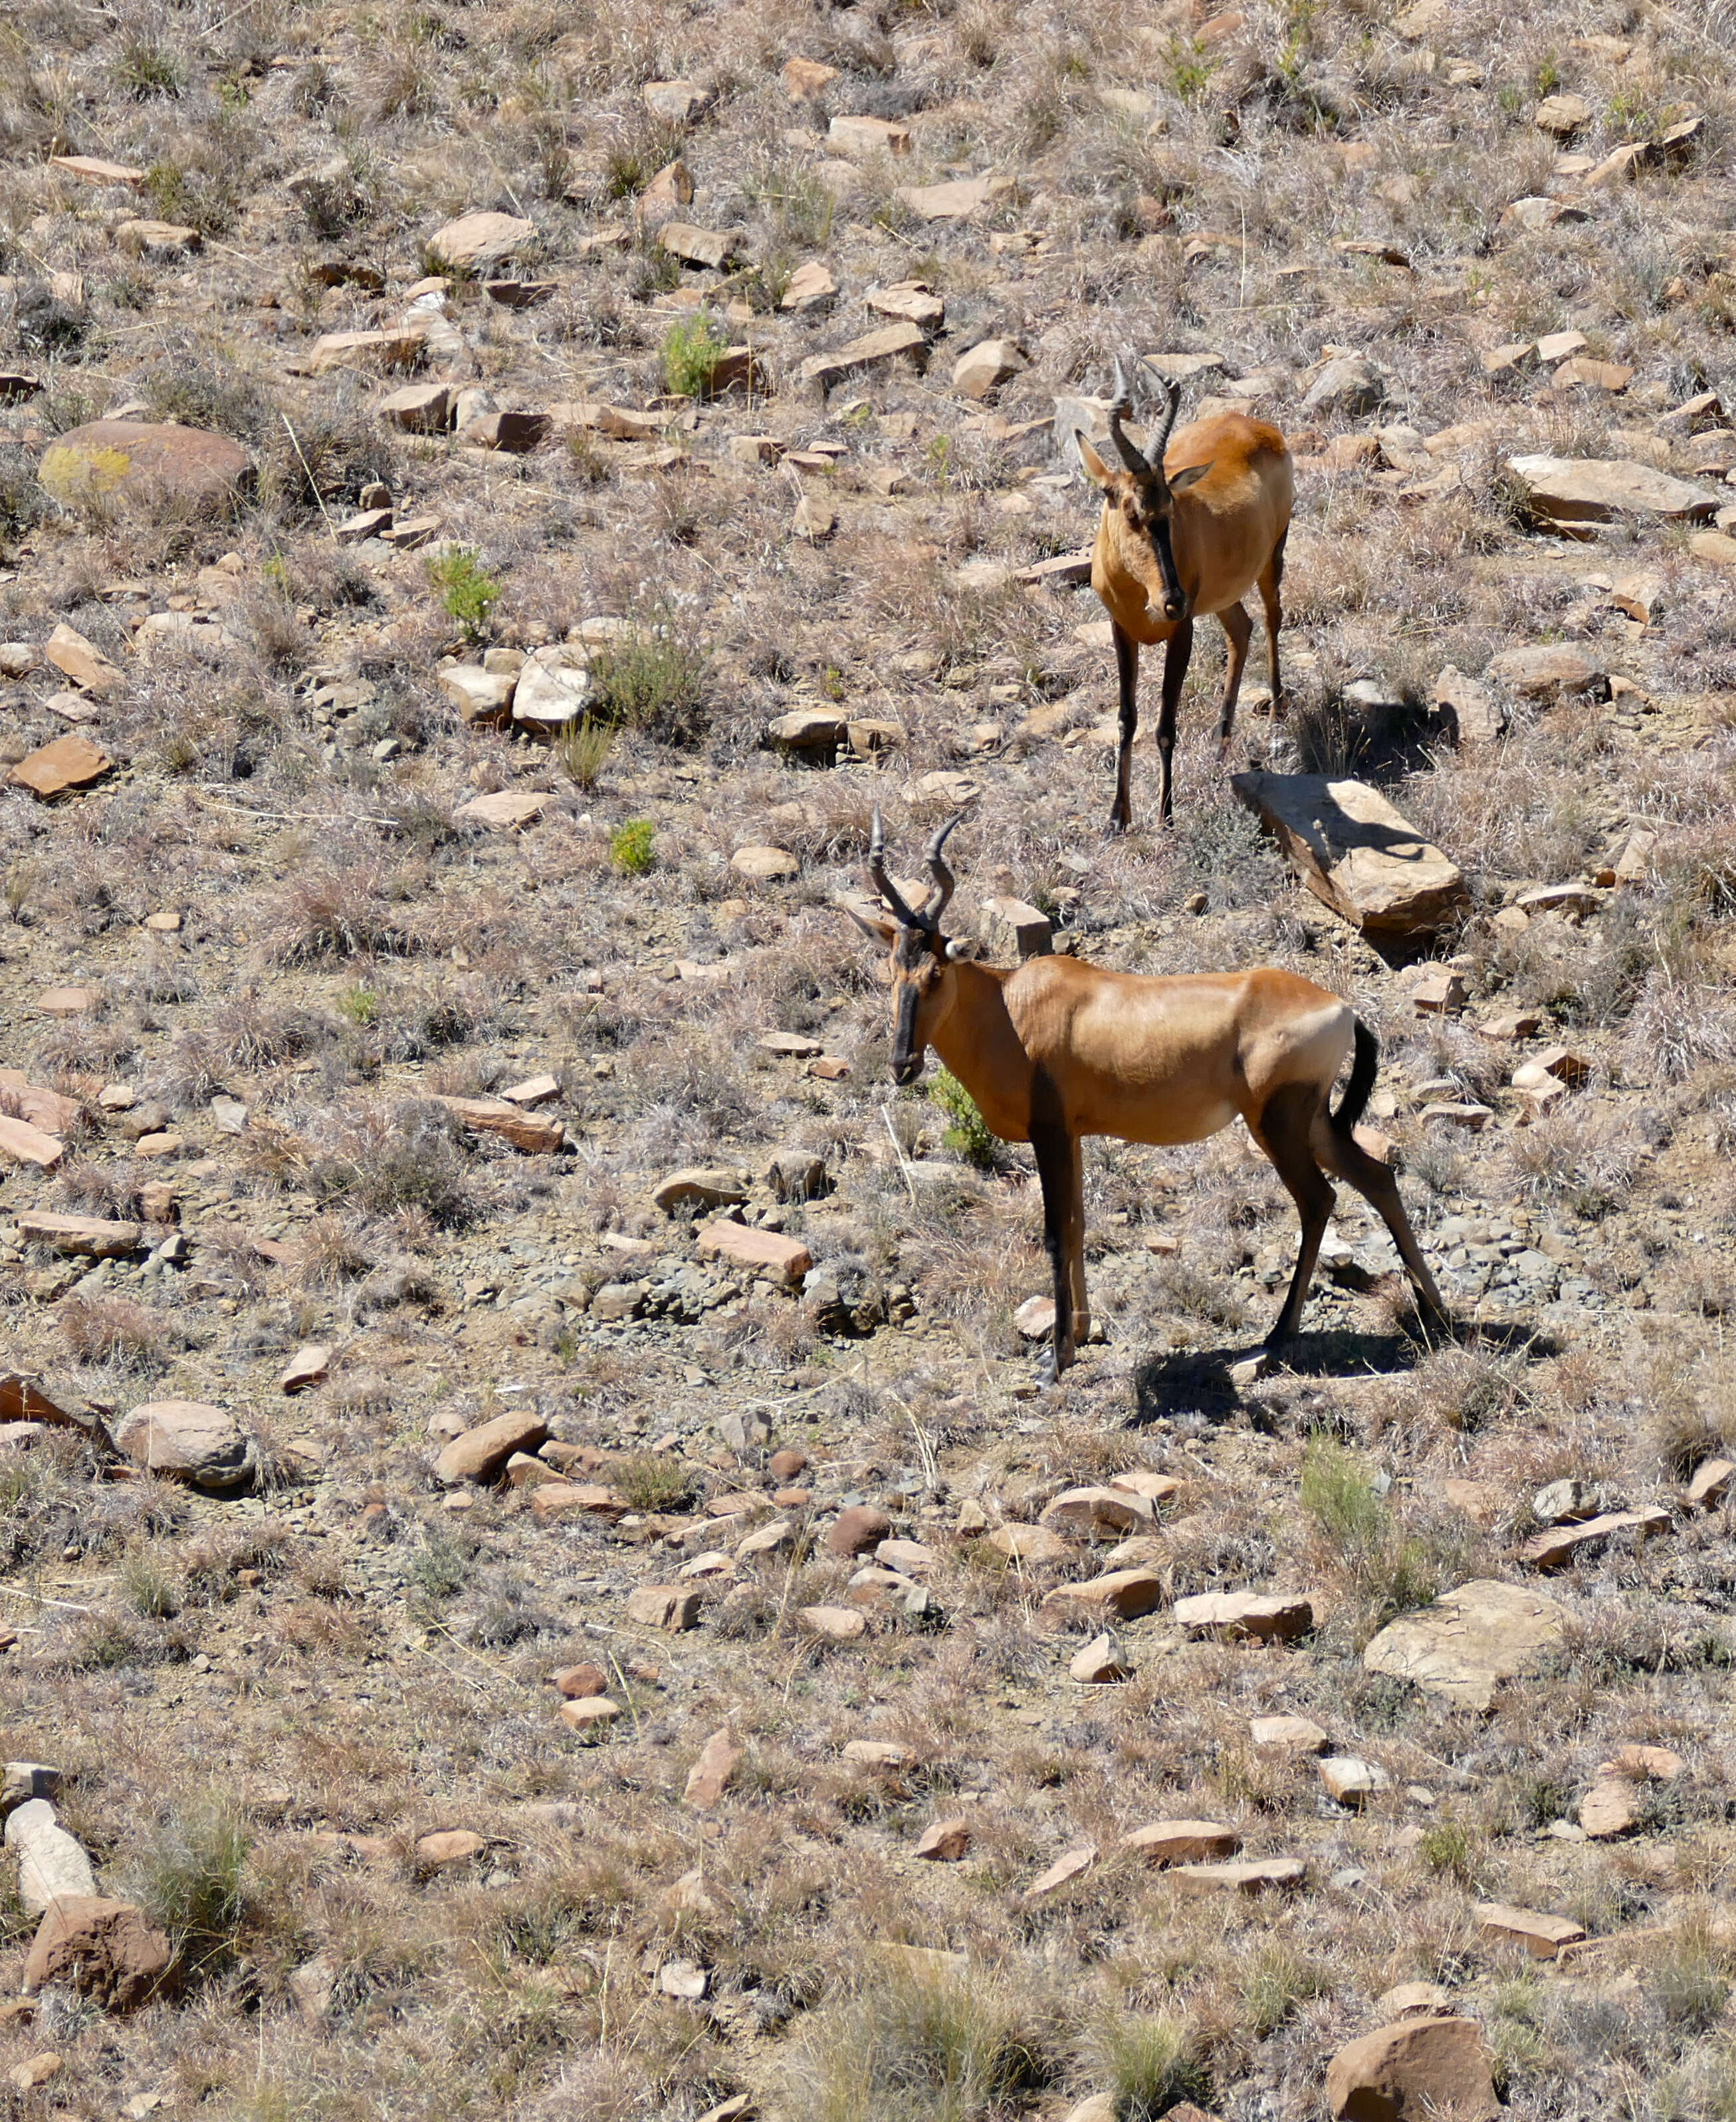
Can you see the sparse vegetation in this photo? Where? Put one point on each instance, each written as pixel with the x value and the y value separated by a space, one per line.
pixel 421 1059
pixel 632 848
pixel 467 594
pixel 691 353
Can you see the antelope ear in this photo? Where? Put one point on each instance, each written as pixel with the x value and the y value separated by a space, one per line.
pixel 1188 475
pixel 874 925
pixel 960 950
pixel 1093 465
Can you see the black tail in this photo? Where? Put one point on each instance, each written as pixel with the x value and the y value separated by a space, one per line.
pixel 1362 1080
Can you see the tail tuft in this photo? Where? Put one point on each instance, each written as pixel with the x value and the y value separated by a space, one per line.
pixel 1362 1071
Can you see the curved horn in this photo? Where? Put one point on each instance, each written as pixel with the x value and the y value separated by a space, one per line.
pixel 1161 442
pixel 935 905
pixel 1121 407
pixel 883 884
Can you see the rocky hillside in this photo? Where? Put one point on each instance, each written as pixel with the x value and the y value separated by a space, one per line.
pixel 537 1576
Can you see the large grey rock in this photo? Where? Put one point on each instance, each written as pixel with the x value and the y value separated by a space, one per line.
pixel 189 1440
pixel 1351 848
pixel 1348 385
pixel 51 1865
pixel 1575 490
pixel 1468 1640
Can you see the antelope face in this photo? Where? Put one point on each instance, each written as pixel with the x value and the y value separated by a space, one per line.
pixel 923 983
pixel 922 996
pixel 1139 501
pixel 1140 512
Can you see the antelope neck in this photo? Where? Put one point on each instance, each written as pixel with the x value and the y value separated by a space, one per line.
pixel 978 1043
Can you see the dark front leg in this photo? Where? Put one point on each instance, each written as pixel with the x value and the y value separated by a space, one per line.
pixel 1058 1167
pixel 1175 672
pixel 1126 672
pixel 1237 632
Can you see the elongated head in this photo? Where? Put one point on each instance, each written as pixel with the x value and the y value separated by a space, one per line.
pixel 923 982
pixel 1139 498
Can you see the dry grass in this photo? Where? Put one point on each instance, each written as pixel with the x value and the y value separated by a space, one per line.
pixel 261 1705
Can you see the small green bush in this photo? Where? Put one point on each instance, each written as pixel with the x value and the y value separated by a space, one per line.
pixel 631 846
pixel 655 680
pixel 691 353
pixel 967 1135
pixel 467 594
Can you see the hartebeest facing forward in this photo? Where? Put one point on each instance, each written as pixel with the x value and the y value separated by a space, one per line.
pixel 1055 1049
pixel 1188 528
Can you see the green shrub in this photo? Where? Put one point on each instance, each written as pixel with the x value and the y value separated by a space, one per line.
pixel 691 353
pixel 967 1133
pixel 631 848
pixel 194 1881
pixel 466 592
pixel 1150 2061
pixel 583 749
pixel 655 680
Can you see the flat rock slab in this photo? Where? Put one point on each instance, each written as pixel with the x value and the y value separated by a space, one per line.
pixel 1253 1875
pixel 1245 1617
pixel 480 1453
pixel 699 1186
pixel 505 810
pixel 159 468
pixel 711 1775
pixel 1554 671
pixel 1558 1547
pixel 1181 1842
pixel 1352 849
pixel 496 1116
pixel 873 350
pixel 1288 1735
pixel 1569 490
pixel 310 1365
pixel 1469 1640
pixel 767 1251
pixel 89 1236
pixel 1098 1513
pixel 1070 1865
pixel 1541 1935
pixel 1417 2070
pixel 21 1143
pixel 80 659
pixel 1029 1544
pixel 1120 1595
pixel 68 764
pixel 52 1864
pixel 474 240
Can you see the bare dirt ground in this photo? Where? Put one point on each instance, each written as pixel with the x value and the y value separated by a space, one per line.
pixel 287 944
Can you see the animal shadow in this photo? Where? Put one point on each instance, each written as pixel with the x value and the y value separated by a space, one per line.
pixel 1197 1382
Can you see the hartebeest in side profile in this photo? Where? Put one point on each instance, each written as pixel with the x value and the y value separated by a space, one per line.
pixel 1055 1049
pixel 1188 526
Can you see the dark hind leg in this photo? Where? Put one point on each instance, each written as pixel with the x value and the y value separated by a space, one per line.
pixel 1285 1124
pixel 1271 583
pixel 1345 1158
pixel 1238 627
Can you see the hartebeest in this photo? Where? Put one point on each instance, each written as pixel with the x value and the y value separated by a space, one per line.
pixel 1188 526
pixel 1055 1049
